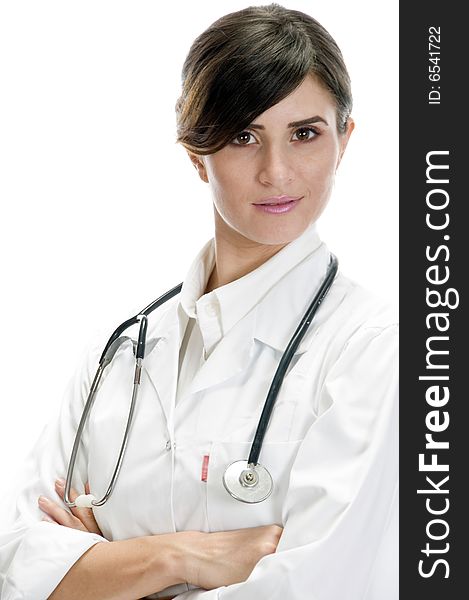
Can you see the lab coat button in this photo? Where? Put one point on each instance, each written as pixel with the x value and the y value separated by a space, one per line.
pixel 168 445
pixel 211 310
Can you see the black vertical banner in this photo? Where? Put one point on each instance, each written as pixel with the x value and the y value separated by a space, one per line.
pixel 434 356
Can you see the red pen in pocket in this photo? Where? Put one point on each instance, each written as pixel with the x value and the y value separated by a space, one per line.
pixel 205 467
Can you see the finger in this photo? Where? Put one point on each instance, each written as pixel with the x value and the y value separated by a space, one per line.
pixel 59 514
pixel 48 519
pixel 85 515
pixel 60 489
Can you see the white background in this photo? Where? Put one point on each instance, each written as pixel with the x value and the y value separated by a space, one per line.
pixel 101 211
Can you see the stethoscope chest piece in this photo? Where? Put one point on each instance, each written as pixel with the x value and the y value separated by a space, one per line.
pixel 248 483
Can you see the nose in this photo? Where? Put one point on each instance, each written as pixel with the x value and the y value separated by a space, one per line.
pixel 275 167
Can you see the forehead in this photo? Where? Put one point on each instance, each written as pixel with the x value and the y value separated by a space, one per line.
pixel 309 99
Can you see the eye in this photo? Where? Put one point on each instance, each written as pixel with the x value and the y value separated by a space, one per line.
pixel 242 139
pixel 306 134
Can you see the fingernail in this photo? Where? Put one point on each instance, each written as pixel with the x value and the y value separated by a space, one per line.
pixel 60 483
pixel 43 500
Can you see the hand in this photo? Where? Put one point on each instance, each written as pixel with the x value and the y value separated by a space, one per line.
pixel 81 518
pixel 226 557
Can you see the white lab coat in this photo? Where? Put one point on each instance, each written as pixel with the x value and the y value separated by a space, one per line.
pixel 331 447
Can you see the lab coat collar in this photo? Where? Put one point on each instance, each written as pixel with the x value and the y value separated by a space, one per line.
pixel 231 356
pixel 239 297
pixel 271 321
pixel 266 285
pixel 235 299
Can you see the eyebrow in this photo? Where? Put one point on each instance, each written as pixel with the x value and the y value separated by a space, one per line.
pixel 315 119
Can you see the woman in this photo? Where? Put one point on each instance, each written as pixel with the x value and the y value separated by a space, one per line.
pixel 264 115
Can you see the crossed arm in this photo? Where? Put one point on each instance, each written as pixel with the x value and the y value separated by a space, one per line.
pixel 141 566
pixel 342 492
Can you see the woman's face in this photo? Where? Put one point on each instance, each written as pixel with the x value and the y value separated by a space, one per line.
pixel 292 149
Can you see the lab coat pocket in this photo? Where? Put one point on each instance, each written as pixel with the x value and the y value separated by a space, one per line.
pixel 223 511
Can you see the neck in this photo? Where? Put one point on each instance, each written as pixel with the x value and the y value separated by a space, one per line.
pixel 236 255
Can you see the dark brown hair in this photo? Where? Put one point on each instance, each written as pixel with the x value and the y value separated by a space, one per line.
pixel 246 62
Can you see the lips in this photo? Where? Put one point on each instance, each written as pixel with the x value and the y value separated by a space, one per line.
pixel 277 205
pixel 276 200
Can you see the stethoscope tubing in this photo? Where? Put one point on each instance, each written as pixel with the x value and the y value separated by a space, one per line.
pixel 134 320
pixel 117 339
pixel 286 359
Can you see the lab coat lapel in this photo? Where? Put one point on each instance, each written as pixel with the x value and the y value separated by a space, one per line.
pixel 282 308
pixel 272 322
pixel 230 356
pixel 266 323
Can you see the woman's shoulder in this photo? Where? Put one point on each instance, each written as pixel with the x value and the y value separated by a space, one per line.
pixel 355 342
pixel 354 318
pixel 363 307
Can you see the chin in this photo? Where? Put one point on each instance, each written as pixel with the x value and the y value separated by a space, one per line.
pixel 277 236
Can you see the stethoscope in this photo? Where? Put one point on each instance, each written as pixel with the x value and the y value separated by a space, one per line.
pixel 245 480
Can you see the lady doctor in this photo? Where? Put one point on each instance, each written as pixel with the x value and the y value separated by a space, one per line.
pixel 265 117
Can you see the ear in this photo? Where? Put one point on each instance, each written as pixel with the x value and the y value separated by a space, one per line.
pixel 198 162
pixel 344 138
